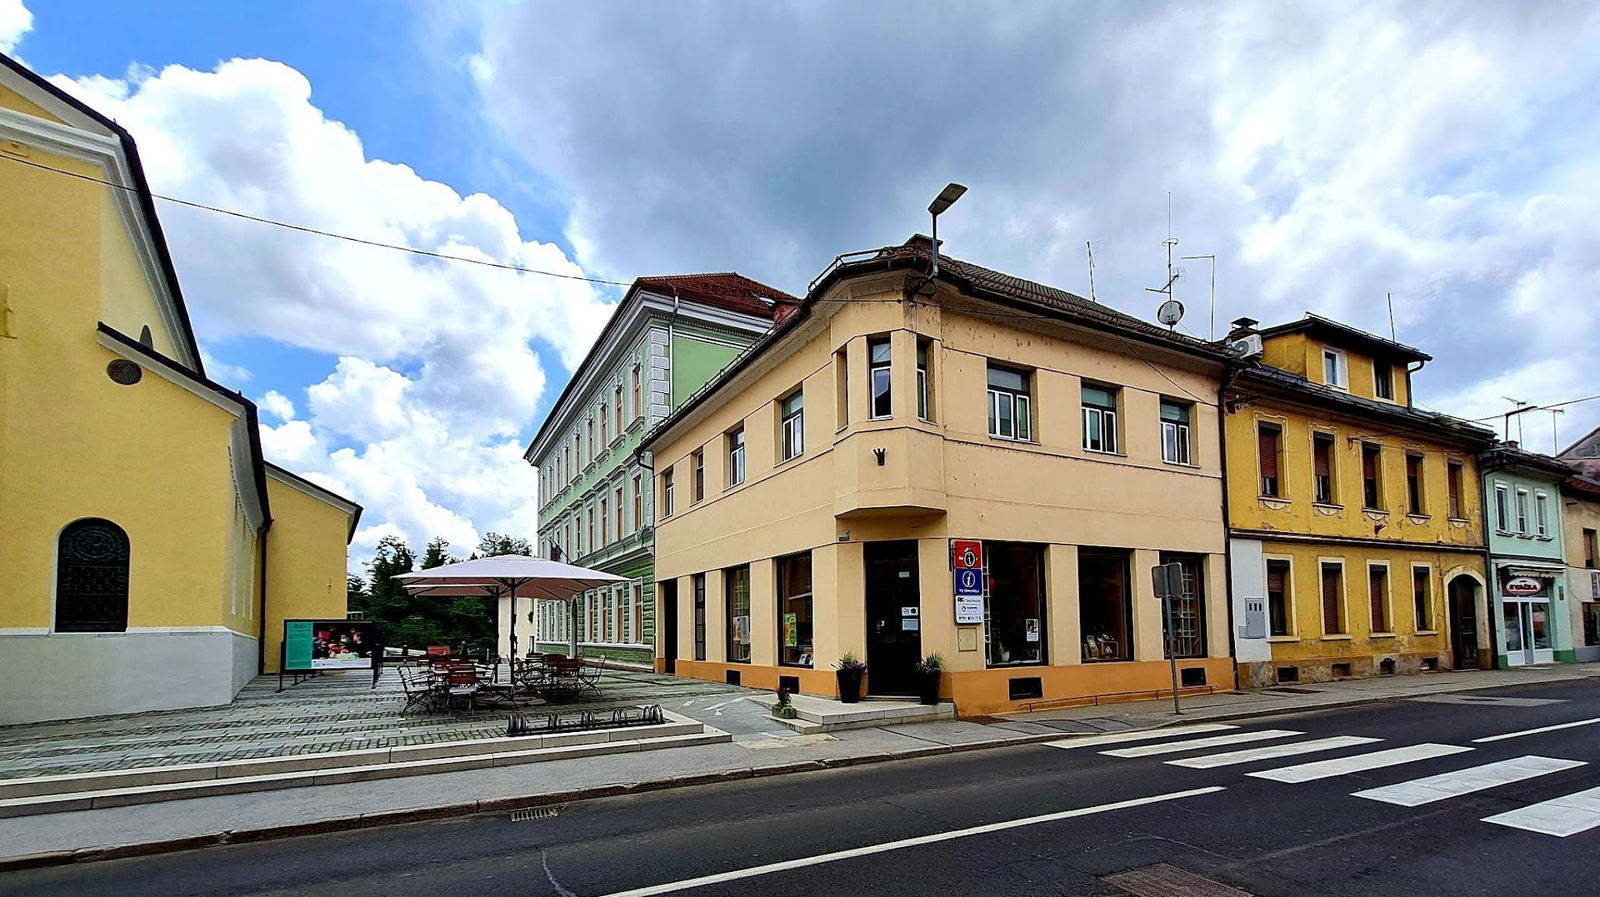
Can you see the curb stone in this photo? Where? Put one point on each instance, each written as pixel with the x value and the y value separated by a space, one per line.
pixel 618 789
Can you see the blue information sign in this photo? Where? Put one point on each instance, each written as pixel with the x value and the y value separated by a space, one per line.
pixel 969 583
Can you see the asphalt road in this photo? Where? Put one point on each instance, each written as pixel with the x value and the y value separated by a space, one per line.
pixel 1027 820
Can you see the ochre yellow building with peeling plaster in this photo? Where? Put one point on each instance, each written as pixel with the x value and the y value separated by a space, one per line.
pixel 149 553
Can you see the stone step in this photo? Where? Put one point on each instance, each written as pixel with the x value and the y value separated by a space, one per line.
pixel 822 715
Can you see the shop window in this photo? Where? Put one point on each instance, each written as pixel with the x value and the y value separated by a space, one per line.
pixel 1269 445
pixel 1378 597
pixel 699 616
pixel 1322 467
pixel 791 436
pixel 1422 597
pixel 1414 496
pixel 1188 617
pixel 699 477
pixel 1010 404
pixel 924 382
pixel 879 399
pixel 736 598
pixel 1015 606
pixel 1175 429
pixel 1278 573
pixel 736 456
pixel 1099 418
pixel 1371 476
pixel 794 610
pixel 1333 599
pixel 92 557
pixel 1454 481
pixel 1591 623
pixel 1105 605
pixel 1383 379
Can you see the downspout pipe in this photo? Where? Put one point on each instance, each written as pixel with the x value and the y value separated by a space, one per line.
pixel 1229 373
pixel 261 617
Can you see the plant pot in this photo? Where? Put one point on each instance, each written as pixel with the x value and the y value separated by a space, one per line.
pixel 928 687
pixel 849 685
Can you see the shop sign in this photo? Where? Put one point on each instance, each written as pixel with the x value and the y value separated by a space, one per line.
pixel 969 610
pixel 1524 585
pixel 966 554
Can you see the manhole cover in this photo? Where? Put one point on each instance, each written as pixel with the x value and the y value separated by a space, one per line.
pixel 1166 880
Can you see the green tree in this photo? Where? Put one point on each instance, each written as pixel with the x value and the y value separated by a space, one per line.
pixel 437 554
pixel 496 544
pixel 355 593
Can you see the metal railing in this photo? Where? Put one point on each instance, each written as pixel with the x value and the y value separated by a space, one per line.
pixel 1155 694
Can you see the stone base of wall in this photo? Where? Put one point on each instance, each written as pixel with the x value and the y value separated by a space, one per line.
pixel 1330 669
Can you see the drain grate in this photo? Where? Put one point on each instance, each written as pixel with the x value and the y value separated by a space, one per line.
pixel 535 813
pixel 1166 880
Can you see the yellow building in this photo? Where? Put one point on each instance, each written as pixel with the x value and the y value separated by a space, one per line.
pixel 1580 518
pixel 1356 538
pixel 149 553
pixel 809 498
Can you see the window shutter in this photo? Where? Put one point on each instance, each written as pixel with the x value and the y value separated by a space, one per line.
pixel 1269 452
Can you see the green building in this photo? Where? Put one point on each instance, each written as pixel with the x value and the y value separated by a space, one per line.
pixel 667 338
pixel 1527 568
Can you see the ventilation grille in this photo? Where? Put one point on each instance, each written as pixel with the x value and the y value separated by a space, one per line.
pixel 535 813
pixel 124 372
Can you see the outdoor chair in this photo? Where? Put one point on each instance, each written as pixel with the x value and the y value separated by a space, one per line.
pixel 462 684
pixel 563 677
pixel 420 690
pixel 589 675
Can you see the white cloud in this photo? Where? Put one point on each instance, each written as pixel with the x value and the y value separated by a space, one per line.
pixel 15 21
pixel 423 417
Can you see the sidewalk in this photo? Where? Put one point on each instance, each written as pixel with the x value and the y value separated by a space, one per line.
pixel 175 825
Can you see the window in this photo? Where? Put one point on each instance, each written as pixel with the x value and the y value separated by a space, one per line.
pixel 841 388
pixel 1522 511
pixel 1105 605
pixel 1175 432
pixel 638 503
pixel 666 492
pixel 616 395
pixel 589 425
pixel 1099 418
pixel 792 416
pixel 605 440
pixel 638 397
pixel 578 525
pixel 794 610
pixel 1188 618
pixel 1453 470
pixel 1371 485
pixel 1414 503
pixel 1591 548
pixel 736 597
pixel 1541 513
pixel 1502 508
pixel 636 616
pixel 699 477
pixel 92 577
pixel 1332 599
pixel 1378 597
pixel 618 506
pixel 593 545
pixel 879 400
pixel 1333 368
pixel 699 616
pixel 1322 467
pixel 1278 578
pixel 924 385
pixel 1014 610
pixel 1422 597
pixel 736 457
pixel 1383 379
pixel 605 525
pixel 1010 411
pixel 1269 441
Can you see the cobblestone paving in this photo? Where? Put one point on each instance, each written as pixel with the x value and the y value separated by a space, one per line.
pixel 339 712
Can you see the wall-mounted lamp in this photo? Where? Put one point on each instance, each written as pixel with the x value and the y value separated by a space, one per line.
pixel 879 453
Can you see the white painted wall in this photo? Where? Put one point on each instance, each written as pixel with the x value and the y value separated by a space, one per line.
pixel 46 676
pixel 1249 581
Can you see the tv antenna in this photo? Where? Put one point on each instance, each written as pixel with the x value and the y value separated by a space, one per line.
pixel 1521 406
pixel 1211 331
pixel 1555 442
pixel 1171 308
pixel 1090 248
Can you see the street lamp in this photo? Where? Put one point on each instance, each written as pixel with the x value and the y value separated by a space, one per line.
pixel 946 198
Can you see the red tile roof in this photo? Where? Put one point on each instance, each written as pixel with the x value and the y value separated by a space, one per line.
pixel 728 290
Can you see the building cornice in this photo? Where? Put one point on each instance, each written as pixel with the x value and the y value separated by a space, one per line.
pixel 1309 538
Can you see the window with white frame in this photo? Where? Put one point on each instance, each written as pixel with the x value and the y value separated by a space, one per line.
pixel 1334 368
pixel 736 456
pixel 1522 511
pixel 1099 418
pixel 1502 508
pixel 699 477
pixel 1175 442
pixel 791 427
pixel 924 385
pixel 1010 404
pixel 1541 513
pixel 638 503
pixel 666 492
pixel 879 400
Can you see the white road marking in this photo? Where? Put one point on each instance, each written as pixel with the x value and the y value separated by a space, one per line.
pixel 1229 758
pixel 1143 735
pixel 1173 747
pixel 1325 769
pixel 1561 817
pixel 1541 729
pixel 1446 785
pixel 768 869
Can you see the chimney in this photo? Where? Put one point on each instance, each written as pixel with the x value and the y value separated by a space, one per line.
pixel 1511 444
pixel 1242 327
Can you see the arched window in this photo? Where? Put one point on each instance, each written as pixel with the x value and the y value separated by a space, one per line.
pixel 92 577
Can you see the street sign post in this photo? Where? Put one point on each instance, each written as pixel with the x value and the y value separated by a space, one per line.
pixel 1168 581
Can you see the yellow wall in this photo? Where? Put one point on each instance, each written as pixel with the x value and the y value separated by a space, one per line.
pixel 306 557
pixel 1299 353
pixel 944 479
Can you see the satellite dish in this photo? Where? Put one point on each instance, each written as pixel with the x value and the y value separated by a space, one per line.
pixel 1170 312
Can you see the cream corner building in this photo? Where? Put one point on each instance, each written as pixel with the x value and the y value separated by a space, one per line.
pixel 807 499
pixel 150 554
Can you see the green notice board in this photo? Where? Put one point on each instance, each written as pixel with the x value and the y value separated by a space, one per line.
pixel 297 644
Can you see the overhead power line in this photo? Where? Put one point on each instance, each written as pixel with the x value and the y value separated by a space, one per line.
pixel 1526 408
pixel 397 247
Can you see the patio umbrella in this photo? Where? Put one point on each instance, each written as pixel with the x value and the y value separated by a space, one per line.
pixel 515 575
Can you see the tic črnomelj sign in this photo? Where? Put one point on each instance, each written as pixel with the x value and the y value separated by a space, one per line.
pixel 310 645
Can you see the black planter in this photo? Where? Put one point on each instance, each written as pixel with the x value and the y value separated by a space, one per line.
pixel 849 685
pixel 928 687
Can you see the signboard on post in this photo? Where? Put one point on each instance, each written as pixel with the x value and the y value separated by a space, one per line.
pixel 966 554
pixel 1167 580
pixel 313 646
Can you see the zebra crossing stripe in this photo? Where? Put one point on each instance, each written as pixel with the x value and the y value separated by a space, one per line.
pixel 1561 817
pixel 1539 731
pixel 1446 785
pixel 1173 747
pixel 1143 735
pixel 1271 751
pixel 1325 769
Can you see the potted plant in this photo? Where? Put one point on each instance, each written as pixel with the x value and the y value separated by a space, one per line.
pixel 849 670
pixel 784 709
pixel 928 669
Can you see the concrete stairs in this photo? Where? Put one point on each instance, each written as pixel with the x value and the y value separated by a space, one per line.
pixel 825 715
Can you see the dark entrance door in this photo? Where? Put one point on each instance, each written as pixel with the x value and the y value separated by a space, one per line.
pixel 667 619
pixel 894 617
pixel 1464 622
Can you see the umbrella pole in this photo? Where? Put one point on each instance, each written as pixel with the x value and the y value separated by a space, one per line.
pixel 513 634
pixel 572 630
